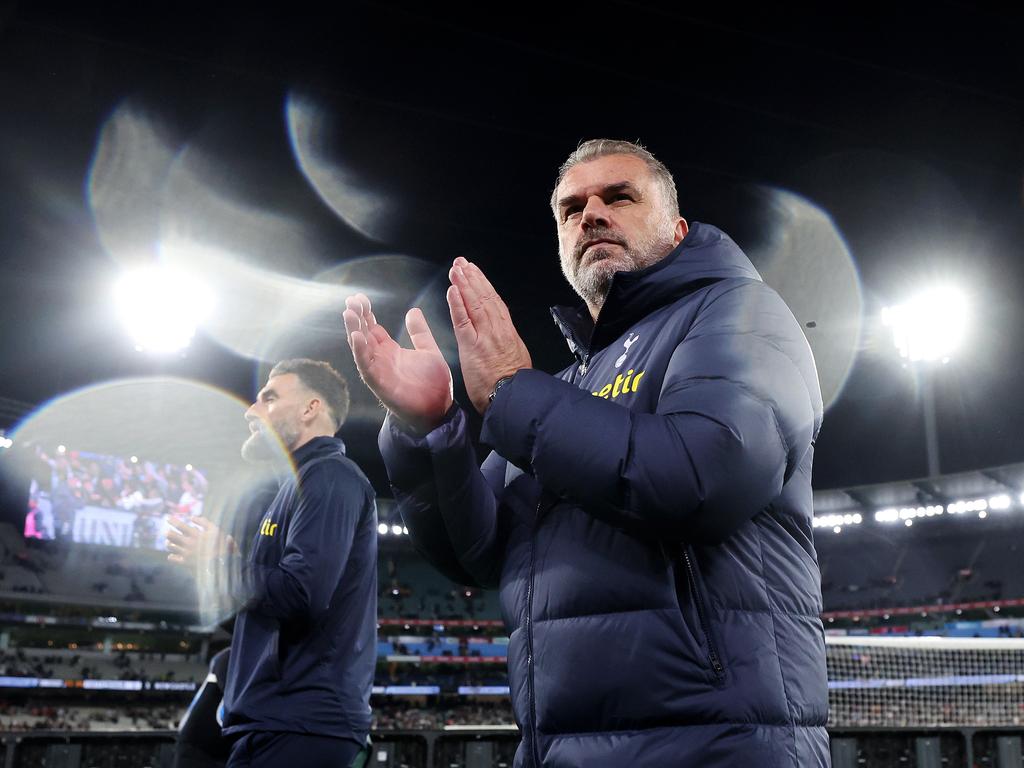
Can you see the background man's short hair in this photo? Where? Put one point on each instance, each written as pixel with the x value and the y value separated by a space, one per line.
pixel 321 378
pixel 595 148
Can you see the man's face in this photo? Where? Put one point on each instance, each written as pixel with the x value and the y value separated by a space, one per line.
pixel 611 218
pixel 275 417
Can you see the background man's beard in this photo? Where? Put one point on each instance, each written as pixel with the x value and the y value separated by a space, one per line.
pixel 264 446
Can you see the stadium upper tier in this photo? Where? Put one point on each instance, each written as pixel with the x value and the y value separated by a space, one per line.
pixel 940 541
pixel 953 561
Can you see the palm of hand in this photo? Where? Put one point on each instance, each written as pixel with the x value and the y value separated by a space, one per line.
pixel 414 384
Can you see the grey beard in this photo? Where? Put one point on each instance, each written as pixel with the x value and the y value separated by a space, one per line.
pixel 257 448
pixel 593 282
pixel 261 446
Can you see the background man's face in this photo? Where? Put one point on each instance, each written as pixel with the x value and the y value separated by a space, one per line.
pixel 611 218
pixel 275 416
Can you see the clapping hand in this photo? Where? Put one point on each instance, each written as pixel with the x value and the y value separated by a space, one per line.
pixel 489 345
pixel 414 384
pixel 196 538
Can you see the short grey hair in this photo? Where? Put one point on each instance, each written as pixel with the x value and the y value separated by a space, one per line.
pixel 322 379
pixel 595 148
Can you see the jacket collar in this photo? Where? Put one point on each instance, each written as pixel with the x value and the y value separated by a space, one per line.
pixel 705 256
pixel 315 448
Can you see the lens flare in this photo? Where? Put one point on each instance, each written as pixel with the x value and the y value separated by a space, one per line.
pixel 133 155
pixel 804 257
pixel 139 452
pixel 314 139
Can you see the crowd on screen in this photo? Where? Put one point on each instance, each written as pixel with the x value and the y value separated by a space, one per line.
pixel 71 480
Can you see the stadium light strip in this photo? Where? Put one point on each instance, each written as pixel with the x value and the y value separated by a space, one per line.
pixel 96 684
pixel 907 515
pixel 836 522
pixel 981 506
pixel 405 690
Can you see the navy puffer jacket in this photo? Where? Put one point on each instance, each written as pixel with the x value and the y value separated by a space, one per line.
pixel 646 516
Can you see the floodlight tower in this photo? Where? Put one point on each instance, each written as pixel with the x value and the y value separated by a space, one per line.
pixel 927 329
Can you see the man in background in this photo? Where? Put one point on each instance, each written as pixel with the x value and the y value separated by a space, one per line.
pixel 303 651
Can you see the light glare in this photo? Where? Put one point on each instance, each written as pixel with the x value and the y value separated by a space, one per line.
pixel 161 307
pixel 930 326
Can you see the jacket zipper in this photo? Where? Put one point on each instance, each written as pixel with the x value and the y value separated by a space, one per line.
pixel 716 663
pixel 529 637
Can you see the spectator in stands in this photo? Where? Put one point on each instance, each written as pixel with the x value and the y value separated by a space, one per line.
pixel 304 646
pixel 646 513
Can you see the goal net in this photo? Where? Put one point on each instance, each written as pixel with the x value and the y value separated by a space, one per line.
pixel 925 681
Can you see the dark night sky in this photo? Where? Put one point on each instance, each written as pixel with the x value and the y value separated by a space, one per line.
pixel 904 126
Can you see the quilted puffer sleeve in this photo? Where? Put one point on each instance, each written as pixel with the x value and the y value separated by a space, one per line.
pixel 738 408
pixel 447 501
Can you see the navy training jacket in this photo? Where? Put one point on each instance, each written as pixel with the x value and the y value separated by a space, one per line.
pixel 647 518
pixel 304 646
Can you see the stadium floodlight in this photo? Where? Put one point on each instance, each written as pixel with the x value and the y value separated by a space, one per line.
pixel 396 529
pixel 161 307
pixel 383 529
pixel 999 502
pixel 62 449
pixel 5 442
pixel 930 326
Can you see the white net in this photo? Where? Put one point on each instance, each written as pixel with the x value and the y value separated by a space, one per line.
pixel 925 681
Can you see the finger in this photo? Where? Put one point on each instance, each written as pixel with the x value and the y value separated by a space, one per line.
pixel 183 529
pixel 462 324
pixel 361 352
pixel 471 300
pixel 492 301
pixel 366 310
pixel 351 319
pixel 353 313
pixel 419 331
pixel 364 329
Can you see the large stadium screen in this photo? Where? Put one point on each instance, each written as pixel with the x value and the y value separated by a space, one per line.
pixel 92 498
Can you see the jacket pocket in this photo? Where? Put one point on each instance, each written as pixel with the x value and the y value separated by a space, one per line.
pixel 690 592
